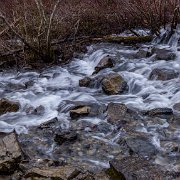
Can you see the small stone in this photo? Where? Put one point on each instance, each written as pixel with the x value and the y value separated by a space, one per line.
pixel 85 82
pixel 104 63
pixel 65 137
pixel 79 111
pixel 114 84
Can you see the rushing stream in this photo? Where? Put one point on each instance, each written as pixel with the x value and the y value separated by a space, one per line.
pixel 55 89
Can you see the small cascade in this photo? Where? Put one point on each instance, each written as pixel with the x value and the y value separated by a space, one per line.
pixel 152 73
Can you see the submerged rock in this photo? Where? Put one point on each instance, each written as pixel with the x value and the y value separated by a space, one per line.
pixel 79 111
pixel 164 53
pixel 10 153
pixel 114 84
pixel 85 82
pixel 163 74
pixel 134 167
pixel 116 112
pixel 159 112
pixel 141 146
pixel 104 63
pixel 66 137
pixel 8 106
pixel 94 82
pixel 143 53
pixel 37 111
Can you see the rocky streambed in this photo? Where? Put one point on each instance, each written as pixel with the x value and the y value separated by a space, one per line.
pixel 112 113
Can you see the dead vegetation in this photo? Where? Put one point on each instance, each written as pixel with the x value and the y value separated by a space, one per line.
pixel 34 31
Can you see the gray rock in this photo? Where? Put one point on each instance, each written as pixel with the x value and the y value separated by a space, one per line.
pixel 104 63
pixel 143 53
pixel 163 74
pixel 159 112
pixel 114 84
pixel 10 153
pixel 66 137
pixel 164 53
pixel 134 167
pixel 116 112
pixel 141 146
pixel 85 82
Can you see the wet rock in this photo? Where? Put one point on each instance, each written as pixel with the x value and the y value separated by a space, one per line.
pixel 176 107
pixel 163 53
pixel 29 83
pixel 79 111
pixel 37 111
pixel 141 145
pixel 116 112
pixel 49 124
pixel 85 82
pixel 13 86
pixel 143 53
pixel 104 63
pixel 66 137
pixel 91 82
pixel 8 106
pixel 134 167
pixel 163 74
pixel 62 172
pixel 113 84
pixel 159 112
pixel 10 153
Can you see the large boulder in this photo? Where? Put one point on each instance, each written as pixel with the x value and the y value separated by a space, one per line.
pixel 8 106
pixel 114 84
pixel 104 63
pixel 10 153
pixel 134 167
pixel 164 53
pixel 163 74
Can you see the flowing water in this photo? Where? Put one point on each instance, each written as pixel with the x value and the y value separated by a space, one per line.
pixel 54 87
